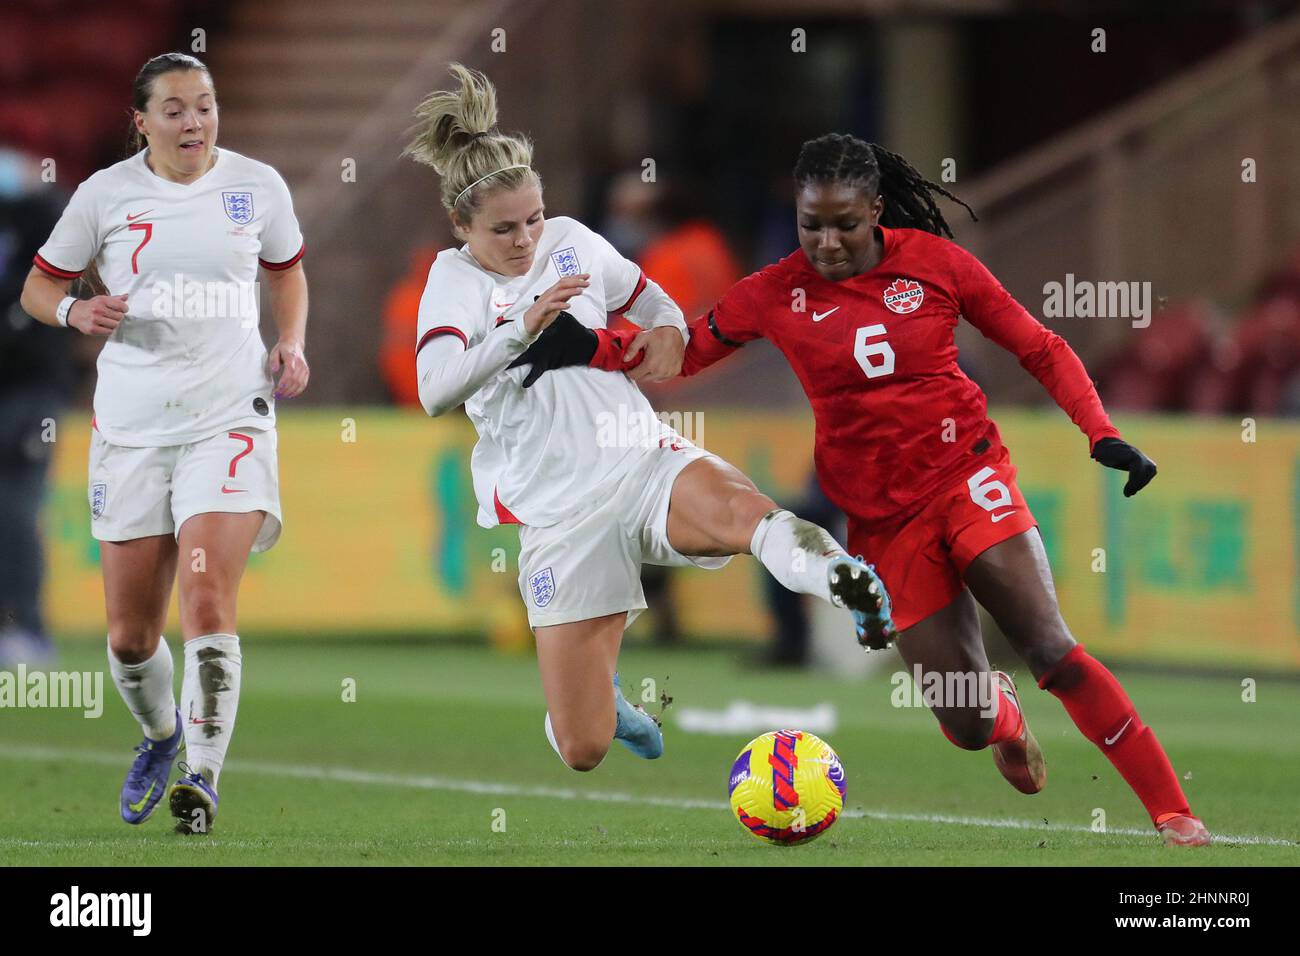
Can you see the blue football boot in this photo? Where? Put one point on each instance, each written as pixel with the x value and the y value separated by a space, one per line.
pixel 147 779
pixel 193 802
pixel 856 586
pixel 635 729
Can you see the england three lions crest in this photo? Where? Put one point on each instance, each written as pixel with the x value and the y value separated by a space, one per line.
pixel 566 262
pixel 98 499
pixel 542 586
pixel 239 207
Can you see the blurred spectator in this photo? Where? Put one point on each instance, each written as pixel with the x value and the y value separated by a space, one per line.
pixel 1161 368
pixel 1253 369
pixel 776 236
pixel 37 377
pixel 693 264
pixel 630 219
pixel 66 71
pixel 656 225
pixel 660 227
pixel 1268 356
pixel 401 325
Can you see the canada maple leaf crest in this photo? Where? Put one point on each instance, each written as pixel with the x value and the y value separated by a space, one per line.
pixel 903 296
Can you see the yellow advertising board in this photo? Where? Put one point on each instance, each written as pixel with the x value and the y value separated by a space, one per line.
pixel 380 536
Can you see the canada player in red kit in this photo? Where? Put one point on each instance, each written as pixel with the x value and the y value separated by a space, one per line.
pixel 865 312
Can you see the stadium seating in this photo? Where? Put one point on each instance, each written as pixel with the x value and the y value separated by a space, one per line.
pixel 66 68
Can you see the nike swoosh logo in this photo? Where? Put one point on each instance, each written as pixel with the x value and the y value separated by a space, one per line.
pixel 131 218
pixel 818 316
pixel 1111 740
pixel 1005 514
pixel 233 491
pixel 205 720
pixel 137 807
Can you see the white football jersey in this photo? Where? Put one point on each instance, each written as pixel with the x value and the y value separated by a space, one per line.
pixel 187 362
pixel 545 451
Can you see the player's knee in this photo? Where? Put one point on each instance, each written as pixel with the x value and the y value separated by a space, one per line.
pixel 131 650
pixel 1047 649
pixel 583 755
pixel 206 608
pixel 133 642
pixel 1043 658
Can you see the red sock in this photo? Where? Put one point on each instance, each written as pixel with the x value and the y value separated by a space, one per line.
pixel 1007 725
pixel 1104 714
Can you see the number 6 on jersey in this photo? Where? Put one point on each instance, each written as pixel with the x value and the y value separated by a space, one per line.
pixel 987 492
pixel 865 351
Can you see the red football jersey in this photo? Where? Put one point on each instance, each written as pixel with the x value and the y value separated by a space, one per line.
pixel 897 420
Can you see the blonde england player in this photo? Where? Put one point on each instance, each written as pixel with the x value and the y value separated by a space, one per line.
pixel 183 472
pixel 576 457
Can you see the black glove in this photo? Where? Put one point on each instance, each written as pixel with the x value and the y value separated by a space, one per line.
pixel 566 341
pixel 1114 453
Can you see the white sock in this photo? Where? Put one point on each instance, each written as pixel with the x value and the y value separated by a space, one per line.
pixel 796 552
pixel 146 688
pixel 550 735
pixel 209 700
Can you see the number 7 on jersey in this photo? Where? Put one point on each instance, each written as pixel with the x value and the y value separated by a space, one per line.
pixel 148 234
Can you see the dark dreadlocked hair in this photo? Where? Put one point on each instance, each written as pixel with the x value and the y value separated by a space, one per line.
pixel 838 158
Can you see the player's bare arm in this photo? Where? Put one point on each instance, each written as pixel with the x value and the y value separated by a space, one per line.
pixel 43 294
pixel 288 357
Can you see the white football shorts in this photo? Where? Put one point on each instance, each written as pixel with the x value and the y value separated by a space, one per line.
pixel 589 565
pixel 140 492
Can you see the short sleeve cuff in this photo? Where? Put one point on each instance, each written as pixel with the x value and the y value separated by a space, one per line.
pixel 288 263
pixel 51 269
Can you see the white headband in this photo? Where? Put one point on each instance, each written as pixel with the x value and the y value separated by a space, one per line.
pixel 489 176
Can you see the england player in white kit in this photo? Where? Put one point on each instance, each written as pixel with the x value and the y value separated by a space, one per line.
pixel 570 449
pixel 183 472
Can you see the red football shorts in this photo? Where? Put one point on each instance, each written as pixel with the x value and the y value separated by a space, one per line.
pixel 923 560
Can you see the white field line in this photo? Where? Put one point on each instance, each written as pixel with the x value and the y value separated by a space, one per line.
pixel 424 782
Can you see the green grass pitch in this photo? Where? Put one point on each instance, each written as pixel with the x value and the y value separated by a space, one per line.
pixel 444 741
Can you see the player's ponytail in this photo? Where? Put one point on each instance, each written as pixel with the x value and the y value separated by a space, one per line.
pixel 455 136
pixel 909 200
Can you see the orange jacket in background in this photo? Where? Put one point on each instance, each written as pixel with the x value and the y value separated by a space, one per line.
pixel 693 265
pixel 401 325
